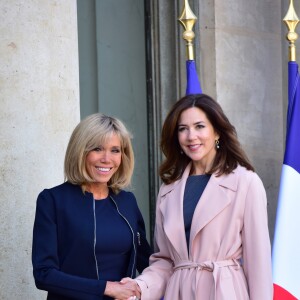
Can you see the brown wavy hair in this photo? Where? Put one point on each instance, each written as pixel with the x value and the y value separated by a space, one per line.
pixel 228 156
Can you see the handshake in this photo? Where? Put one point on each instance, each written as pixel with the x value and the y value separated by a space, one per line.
pixel 126 289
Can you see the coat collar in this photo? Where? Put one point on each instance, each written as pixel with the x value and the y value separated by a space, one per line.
pixel 228 181
pixel 213 200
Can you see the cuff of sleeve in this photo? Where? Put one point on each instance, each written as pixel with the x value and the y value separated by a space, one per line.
pixel 144 289
pixel 102 287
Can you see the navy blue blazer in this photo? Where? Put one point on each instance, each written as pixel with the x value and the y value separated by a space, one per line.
pixel 63 250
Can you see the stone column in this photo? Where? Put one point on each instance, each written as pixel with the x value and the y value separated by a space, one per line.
pixel 241 61
pixel 39 107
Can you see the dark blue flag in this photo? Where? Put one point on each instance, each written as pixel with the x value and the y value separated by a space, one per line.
pixel 193 84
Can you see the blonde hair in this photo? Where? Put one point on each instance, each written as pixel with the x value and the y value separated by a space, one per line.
pixel 87 135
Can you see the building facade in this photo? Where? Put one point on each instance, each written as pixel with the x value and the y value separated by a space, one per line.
pixel 64 59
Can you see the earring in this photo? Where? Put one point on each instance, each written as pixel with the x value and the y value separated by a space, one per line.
pixel 217 144
pixel 181 152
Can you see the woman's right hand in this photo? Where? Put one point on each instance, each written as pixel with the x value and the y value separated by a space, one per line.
pixel 122 290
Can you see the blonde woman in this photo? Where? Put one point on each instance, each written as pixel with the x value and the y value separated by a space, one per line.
pixel 88 232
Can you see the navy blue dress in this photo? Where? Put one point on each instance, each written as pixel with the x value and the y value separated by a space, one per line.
pixel 113 242
pixel 113 249
pixel 194 188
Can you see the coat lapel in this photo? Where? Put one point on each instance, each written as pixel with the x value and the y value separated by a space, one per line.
pixel 213 200
pixel 172 210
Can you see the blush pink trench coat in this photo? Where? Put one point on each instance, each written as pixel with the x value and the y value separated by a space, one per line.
pixel 230 253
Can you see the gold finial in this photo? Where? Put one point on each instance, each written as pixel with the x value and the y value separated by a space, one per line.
pixel 291 20
pixel 187 20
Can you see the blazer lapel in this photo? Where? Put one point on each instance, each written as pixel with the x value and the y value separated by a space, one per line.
pixel 213 200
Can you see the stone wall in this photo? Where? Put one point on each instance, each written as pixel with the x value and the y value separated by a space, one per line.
pixel 248 82
pixel 39 107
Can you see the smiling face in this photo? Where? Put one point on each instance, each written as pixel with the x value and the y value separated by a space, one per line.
pixel 103 161
pixel 197 137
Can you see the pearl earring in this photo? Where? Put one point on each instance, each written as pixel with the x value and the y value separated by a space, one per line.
pixel 217 144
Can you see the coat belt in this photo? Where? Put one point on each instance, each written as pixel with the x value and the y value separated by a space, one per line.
pixel 210 266
pixel 206 265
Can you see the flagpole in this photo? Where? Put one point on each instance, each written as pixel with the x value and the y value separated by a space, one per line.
pixel 291 20
pixel 188 20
